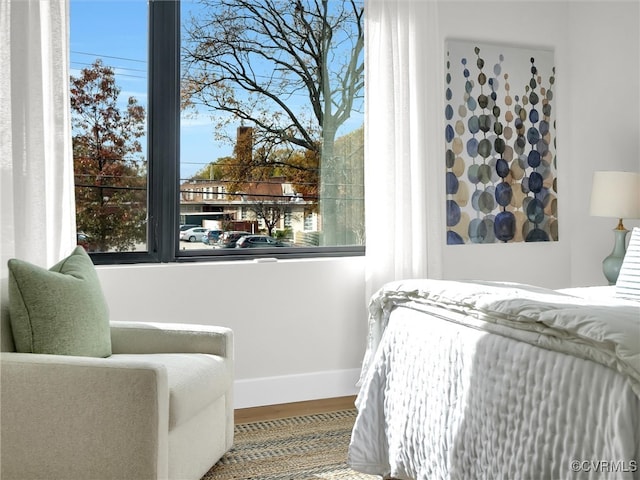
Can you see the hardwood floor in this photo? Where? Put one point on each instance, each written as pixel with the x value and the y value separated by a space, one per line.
pixel 270 412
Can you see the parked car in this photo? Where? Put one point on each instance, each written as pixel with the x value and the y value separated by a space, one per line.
pixel 259 241
pixel 230 238
pixel 187 226
pixel 193 234
pixel 84 241
pixel 211 237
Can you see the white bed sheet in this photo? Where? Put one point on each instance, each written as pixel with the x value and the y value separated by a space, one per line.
pixel 445 401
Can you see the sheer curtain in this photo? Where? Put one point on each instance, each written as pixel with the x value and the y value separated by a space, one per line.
pixel 36 163
pixel 404 143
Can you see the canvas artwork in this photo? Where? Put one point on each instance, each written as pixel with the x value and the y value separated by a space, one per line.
pixel 500 132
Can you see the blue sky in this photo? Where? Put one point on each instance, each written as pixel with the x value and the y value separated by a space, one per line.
pixel 116 31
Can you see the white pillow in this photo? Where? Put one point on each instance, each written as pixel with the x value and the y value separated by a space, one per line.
pixel 628 283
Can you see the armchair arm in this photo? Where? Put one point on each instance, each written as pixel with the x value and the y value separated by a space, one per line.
pixel 142 337
pixel 81 417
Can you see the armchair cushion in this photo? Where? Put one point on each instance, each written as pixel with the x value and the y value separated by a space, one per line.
pixel 59 311
pixel 195 380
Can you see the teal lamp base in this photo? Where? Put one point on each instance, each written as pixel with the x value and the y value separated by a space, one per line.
pixel 611 265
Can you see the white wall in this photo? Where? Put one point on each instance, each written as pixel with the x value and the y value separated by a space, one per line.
pixel 597 48
pixel 299 325
pixel 604 68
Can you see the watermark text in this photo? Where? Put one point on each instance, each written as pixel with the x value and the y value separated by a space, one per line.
pixel 604 466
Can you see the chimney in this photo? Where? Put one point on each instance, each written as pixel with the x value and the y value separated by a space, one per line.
pixel 244 144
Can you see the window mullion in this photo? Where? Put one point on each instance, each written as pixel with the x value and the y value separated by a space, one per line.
pixel 164 127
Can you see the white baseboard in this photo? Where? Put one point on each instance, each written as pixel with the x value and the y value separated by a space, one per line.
pixel 257 392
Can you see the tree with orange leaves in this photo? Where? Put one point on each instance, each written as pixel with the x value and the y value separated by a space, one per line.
pixel 109 168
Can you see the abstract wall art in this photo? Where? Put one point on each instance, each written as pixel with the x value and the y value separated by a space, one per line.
pixel 500 132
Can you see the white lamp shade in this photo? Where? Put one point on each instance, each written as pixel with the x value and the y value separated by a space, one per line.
pixel 616 194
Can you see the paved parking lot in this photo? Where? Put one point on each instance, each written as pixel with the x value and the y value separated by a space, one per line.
pixel 194 246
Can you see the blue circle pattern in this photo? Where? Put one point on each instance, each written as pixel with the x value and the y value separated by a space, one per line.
pixel 490 151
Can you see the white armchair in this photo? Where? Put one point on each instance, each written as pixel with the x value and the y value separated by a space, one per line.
pixel 160 407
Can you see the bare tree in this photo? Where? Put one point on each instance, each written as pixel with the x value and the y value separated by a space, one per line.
pixel 312 51
pixel 270 212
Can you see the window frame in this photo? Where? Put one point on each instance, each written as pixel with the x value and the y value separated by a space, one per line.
pixel 163 161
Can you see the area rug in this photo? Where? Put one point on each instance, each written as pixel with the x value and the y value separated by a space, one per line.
pixel 301 448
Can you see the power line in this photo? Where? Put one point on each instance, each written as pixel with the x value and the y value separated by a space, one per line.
pixel 118 67
pixel 110 187
pixel 119 74
pixel 201 69
pixel 85 64
pixel 108 56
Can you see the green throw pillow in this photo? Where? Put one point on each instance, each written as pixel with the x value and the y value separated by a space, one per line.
pixel 59 311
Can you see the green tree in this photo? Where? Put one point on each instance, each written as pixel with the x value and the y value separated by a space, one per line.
pixel 248 166
pixel 211 171
pixel 311 49
pixel 110 171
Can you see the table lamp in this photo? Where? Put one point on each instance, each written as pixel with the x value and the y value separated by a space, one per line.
pixel 617 195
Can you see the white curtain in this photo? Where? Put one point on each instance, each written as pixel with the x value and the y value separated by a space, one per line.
pixel 36 164
pixel 404 143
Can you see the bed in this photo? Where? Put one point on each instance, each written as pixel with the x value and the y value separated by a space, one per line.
pixel 484 380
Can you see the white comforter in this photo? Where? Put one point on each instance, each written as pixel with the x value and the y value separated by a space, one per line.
pixel 439 399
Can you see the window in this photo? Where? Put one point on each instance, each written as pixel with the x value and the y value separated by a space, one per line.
pixel 248 116
pixel 108 111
